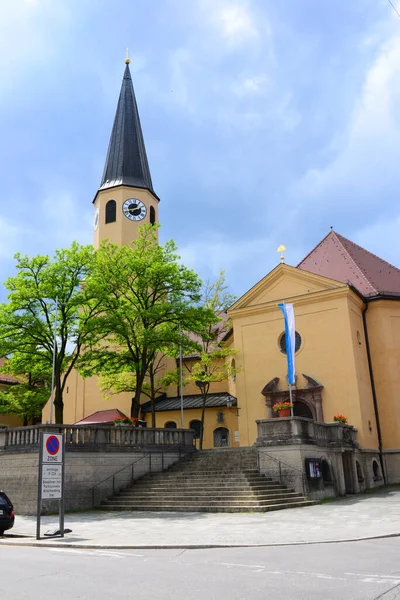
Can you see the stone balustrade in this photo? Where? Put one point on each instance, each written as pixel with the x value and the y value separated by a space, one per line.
pixel 92 437
pixel 298 430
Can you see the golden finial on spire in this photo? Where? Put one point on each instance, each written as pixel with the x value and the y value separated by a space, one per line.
pixel 282 249
pixel 127 59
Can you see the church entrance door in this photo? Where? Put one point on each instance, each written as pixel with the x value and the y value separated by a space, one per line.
pixel 221 437
pixel 300 409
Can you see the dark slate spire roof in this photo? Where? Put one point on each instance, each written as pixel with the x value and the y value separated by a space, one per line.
pixel 126 162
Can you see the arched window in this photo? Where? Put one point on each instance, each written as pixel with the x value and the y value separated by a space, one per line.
pixel 221 437
pixel 360 476
pixel 152 215
pixel 111 211
pixel 170 425
pixel 376 470
pixel 196 426
pixel 233 367
pixel 326 472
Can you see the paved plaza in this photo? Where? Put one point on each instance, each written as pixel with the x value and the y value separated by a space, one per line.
pixel 354 518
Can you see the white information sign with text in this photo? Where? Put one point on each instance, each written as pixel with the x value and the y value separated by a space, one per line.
pixel 52 482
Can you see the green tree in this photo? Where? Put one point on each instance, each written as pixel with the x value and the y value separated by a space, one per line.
pixel 27 397
pixel 213 364
pixel 145 293
pixel 125 381
pixel 27 320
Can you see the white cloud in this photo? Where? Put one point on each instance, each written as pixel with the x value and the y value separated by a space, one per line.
pixel 10 239
pixel 65 220
pixel 28 29
pixel 381 238
pixel 181 63
pixel 365 167
pixel 250 85
pixel 245 262
pixel 286 112
pixel 237 23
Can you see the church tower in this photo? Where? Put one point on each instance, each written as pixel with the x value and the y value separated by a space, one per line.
pixel 126 198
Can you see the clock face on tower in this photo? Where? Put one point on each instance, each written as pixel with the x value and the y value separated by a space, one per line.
pixel 134 209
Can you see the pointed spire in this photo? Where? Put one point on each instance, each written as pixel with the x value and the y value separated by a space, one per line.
pixel 126 162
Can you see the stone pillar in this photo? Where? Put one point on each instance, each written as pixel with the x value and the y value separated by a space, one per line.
pixel 3 438
pixel 318 408
pixel 356 484
pixel 270 412
pixel 340 483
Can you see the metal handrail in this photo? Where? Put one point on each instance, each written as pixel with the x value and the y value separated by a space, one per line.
pixel 281 462
pixel 132 466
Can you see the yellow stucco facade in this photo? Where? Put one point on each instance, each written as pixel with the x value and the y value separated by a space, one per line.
pixel 333 351
pixel 383 319
pixel 348 359
pixel 122 230
pixel 328 317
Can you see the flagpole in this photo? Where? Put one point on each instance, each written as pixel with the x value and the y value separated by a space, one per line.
pixel 180 374
pixel 54 362
pixel 289 384
pixel 291 399
pixel 289 351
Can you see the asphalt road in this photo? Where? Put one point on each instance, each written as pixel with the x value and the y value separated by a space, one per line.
pixel 365 570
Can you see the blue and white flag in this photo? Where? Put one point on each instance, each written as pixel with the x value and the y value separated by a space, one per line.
pixel 288 315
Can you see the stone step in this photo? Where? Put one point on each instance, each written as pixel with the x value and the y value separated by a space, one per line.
pixel 206 475
pixel 249 464
pixel 222 461
pixel 203 490
pixel 207 508
pixel 201 485
pixel 249 501
pixel 151 497
pixel 220 481
pixel 222 470
pixel 164 489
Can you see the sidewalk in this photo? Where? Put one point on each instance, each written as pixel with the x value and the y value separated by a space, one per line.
pixel 359 517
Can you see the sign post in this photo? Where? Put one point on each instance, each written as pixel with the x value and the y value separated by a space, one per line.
pixel 51 475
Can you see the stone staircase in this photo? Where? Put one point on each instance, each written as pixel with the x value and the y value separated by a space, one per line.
pixel 223 480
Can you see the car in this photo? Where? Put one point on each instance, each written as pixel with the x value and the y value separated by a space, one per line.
pixel 7 515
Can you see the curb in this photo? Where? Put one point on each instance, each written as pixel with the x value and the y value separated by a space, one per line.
pixel 38 544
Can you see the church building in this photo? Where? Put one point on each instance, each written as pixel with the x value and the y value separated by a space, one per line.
pixel 347 314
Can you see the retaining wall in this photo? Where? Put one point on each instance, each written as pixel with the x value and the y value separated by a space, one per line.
pixel 83 470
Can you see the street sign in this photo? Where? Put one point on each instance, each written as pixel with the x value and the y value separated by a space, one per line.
pixel 52 482
pixel 52 443
pixel 51 475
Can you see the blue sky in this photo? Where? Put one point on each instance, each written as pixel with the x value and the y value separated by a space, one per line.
pixel 265 123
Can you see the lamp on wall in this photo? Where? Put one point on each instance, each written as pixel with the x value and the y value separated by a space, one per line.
pixel 229 405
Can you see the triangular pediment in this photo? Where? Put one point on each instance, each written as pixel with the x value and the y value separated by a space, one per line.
pixel 283 283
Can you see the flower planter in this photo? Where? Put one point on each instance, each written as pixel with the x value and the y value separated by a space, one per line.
pixel 285 412
pixel 122 425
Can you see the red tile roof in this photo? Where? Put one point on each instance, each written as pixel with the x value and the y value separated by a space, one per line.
pixel 338 258
pixel 102 417
pixel 5 377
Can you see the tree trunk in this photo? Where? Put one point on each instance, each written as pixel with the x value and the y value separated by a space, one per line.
pixel 58 404
pixel 152 398
pixel 203 411
pixel 135 406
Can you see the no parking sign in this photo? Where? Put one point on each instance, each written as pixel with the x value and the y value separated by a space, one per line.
pixel 52 448
pixel 51 475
